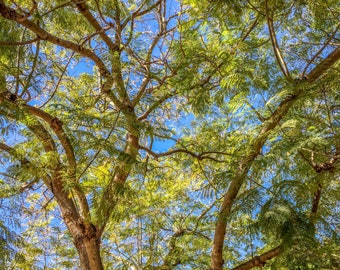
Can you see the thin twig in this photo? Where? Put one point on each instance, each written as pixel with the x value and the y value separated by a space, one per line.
pixel 320 51
pixel 59 81
pixel 99 150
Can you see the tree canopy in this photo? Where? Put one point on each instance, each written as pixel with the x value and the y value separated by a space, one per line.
pixel 164 134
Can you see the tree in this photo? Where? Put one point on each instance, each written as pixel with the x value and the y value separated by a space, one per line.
pixel 92 96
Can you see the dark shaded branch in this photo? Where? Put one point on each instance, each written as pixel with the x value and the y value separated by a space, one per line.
pixel 200 156
pixel 316 200
pixel 18 43
pixel 260 261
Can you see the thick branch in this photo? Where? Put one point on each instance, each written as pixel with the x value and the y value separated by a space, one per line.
pixel 253 151
pixel 316 200
pixel 49 144
pixel 57 126
pixel 326 64
pixel 123 167
pixel 11 14
pixel 260 261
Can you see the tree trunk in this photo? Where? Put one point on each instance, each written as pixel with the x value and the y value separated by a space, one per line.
pixel 88 248
pixel 86 240
pixel 84 233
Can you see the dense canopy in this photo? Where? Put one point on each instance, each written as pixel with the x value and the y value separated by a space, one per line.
pixel 164 134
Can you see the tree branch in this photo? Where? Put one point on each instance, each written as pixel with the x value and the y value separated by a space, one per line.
pixel 46 139
pixel 200 156
pixel 82 7
pixel 320 51
pixel 325 64
pixel 24 161
pixel 279 58
pixel 18 43
pixel 254 149
pixel 12 15
pixel 260 261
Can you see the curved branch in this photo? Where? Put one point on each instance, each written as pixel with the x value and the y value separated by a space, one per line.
pixel 56 125
pixel 30 76
pixel 279 58
pixel 200 156
pixel 12 15
pixel 254 150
